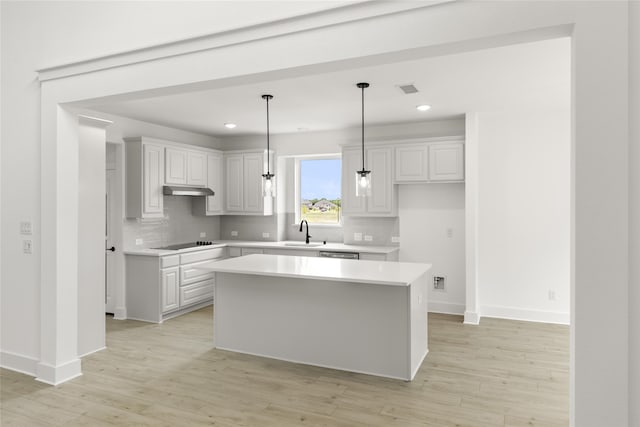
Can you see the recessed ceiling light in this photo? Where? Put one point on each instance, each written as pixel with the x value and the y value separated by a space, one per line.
pixel 423 107
pixel 229 125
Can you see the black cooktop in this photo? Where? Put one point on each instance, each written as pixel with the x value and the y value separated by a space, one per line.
pixel 185 245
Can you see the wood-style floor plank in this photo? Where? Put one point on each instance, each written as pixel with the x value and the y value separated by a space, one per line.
pixel 500 373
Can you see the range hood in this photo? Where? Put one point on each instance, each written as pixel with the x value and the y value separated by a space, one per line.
pixel 174 190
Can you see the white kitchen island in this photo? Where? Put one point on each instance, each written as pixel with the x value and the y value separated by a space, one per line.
pixel 361 316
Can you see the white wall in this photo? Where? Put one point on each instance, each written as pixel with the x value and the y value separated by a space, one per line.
pixel 634 214
pixel 524 215
pixel 432 230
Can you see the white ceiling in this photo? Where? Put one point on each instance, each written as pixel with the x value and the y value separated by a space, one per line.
pixel 526 77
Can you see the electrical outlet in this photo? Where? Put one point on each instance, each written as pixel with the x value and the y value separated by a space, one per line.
pixel 25 227
pixel 357 237
pixel 265 235
pixel 449 232
pixel 552 295
pixel 395 239
pixel 234 233
pixel 27 246
pixel 438 283
pixel 368 238
pixel 203 234
pixel 138 242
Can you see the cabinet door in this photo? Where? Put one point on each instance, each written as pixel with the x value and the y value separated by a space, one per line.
pixel 153 178
pixel 233 184
pixel 196 168
pixel 253 169
pixel 382 198
pixel 411 163
pixel 351 162
pixel 214 182
pixel 446 162
pixel 175 166
pixel 170 289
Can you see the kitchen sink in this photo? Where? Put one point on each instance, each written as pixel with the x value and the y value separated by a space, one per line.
pixel 309 245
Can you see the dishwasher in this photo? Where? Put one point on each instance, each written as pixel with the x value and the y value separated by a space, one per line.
pixel 340 255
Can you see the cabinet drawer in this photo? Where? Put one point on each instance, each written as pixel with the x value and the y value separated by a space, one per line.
pixel 373 257
pixel 190 273
pixel 169 261
pixel 209 254
pixel 197 292
pixel 235 252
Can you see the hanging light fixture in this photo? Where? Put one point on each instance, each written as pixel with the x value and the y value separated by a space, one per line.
pixel 268 184
pixel 363 177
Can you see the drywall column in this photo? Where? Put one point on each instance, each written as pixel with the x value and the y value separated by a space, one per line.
pixel 471 314
pixel 634 214
pixel 91 234
pixel 59 262
pixel 600 209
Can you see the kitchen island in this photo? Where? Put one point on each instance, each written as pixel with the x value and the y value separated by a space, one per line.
pixel 360 316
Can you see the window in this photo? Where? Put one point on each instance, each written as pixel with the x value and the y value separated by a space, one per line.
pixel 318 199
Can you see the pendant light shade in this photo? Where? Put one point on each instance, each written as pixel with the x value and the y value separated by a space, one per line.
pixel 363 176
pixel 268 181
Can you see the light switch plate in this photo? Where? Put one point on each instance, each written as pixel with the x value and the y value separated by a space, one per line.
pixel 138 242
pixel 234 233
pixel 265 235
pixel 368 238
pixel 203 234
pixel 395 239
pixel 357 237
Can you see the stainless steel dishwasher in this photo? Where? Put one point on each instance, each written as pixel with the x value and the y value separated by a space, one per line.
pixel 340 255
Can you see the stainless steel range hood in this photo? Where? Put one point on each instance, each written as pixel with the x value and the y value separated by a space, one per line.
pixel 174 190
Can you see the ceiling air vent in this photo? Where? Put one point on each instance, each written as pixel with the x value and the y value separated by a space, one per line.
pixel 408 89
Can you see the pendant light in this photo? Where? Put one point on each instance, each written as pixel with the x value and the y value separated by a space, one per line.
pixel 363 177
pixel 268 183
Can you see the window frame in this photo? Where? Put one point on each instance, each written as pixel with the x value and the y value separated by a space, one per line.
pixel 297 187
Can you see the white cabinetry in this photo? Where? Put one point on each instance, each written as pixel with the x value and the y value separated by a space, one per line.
pixel 145 177
pixel 185 167
pixel 412 162
pixel 429 161
pixel 170 289
pixel 382 201
pixel 211 205
pixel 159 288
pixel 446 162
pixel 243 184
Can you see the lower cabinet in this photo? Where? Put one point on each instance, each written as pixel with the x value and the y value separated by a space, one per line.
pixel 159 288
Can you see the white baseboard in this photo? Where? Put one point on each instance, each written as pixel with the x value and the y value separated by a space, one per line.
pixel 471 318
pixel 19 363
pixel 56 375
pixel 445 307
pixel 120 313
pixel 92 351
pixel 514 313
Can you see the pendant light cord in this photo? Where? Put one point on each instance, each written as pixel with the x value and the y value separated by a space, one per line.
pixel 267 136
pixel 363 127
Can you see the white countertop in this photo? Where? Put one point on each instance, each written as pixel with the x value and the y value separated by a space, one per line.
pixel 341 270
pixel 335 247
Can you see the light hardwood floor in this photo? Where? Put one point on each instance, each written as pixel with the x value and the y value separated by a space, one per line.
pixel 501 373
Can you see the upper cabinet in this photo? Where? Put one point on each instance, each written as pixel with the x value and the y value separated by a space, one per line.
pixel 145 178
pixel 211 205
pixel 429 161
pixel 243 183
pixel 185 167
pixel 382 202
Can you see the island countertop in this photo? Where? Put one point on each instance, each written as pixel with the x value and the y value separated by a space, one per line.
pixel 340 270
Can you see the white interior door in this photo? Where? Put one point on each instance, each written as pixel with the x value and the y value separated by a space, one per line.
pixel 109 241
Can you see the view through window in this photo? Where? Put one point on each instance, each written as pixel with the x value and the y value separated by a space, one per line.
pixel 320 190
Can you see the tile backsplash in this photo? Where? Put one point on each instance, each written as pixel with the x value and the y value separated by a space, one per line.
pixel 177 226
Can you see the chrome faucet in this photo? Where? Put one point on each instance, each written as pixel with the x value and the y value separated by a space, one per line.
pixel 306 240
